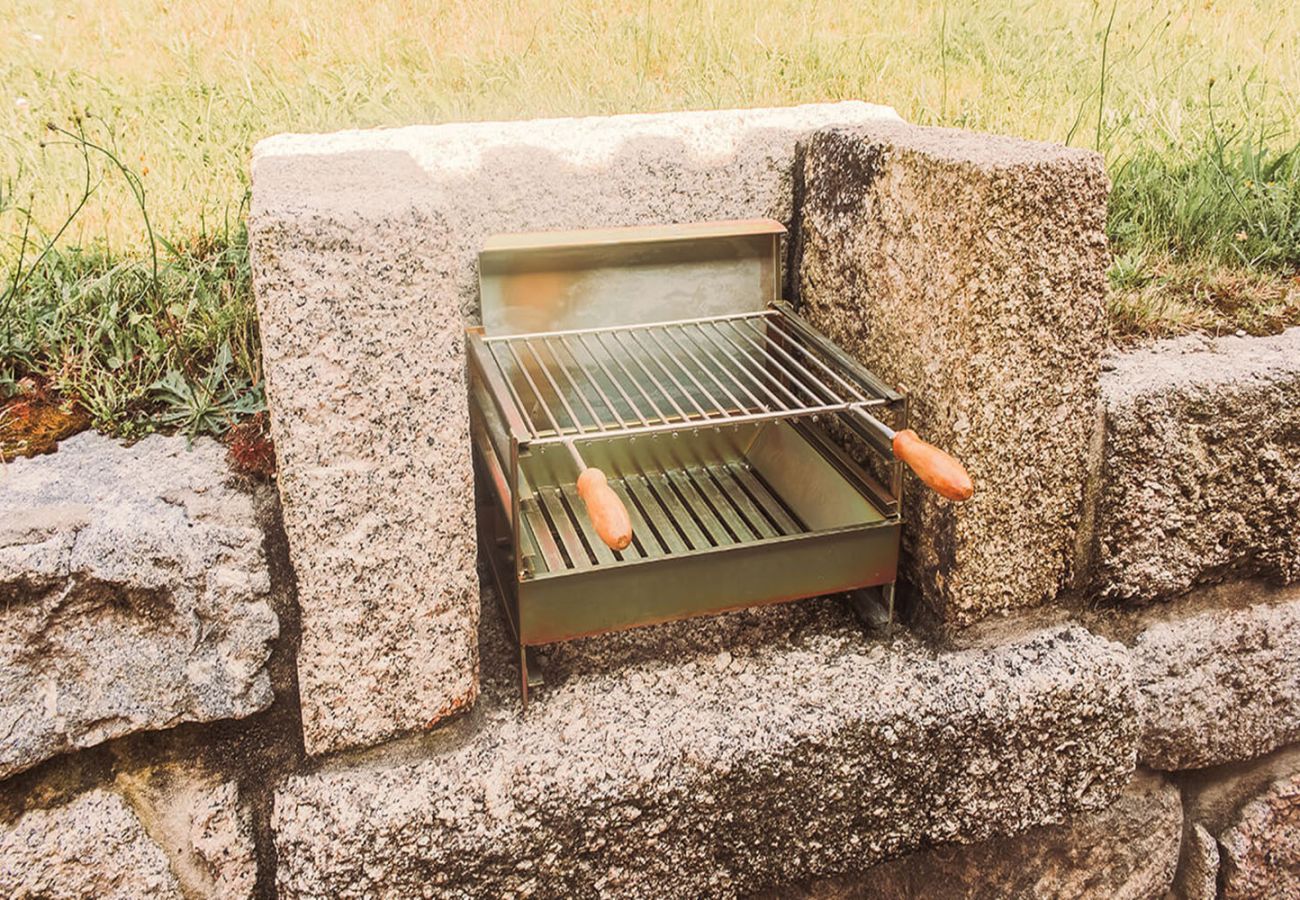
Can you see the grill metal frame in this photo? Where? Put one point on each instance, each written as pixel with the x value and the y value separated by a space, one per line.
pixel 741 443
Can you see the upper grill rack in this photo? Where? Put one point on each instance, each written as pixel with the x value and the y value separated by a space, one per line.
pixel 634 379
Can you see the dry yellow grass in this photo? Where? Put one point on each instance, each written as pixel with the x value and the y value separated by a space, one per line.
pixel 185 88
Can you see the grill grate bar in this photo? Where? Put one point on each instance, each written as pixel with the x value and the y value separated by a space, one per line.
pixel 808 377
pixel 595 382
pixel 666 531
pixel 581 394
pixel 758 366
pixel 595 546
pixel 712 372
pixel 557 519
pixel 640 363
pixel 793 338
pixel 644 352
pixel 620 380
pixel 742 368
pixel 550 379
pixel 635 383
pixel 690 375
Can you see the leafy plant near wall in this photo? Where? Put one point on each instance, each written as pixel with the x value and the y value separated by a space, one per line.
pixel 163 340
pixel 1230 201
pixel 1206 235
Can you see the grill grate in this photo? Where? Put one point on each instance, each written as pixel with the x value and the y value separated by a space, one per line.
pixel 677 511
pixel 607 382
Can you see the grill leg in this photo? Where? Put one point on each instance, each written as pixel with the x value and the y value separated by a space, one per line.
pixel 874 607
pixel 530 673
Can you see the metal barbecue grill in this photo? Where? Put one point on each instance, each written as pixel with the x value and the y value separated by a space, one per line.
pixel 658 436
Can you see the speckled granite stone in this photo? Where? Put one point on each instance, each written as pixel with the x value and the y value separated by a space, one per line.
pixel 363 247
pixel 718 757
pixel 1201 474
pixel 969 270
pixel 133 595
pixel 1260 851
pixel 203 826
pixel 93 846
pixel 1128 851
pixel 1198 867
pixel 1218 675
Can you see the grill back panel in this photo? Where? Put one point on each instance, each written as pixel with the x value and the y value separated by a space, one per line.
pixel 556 281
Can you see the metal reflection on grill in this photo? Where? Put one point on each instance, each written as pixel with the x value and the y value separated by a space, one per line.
pixel 640 462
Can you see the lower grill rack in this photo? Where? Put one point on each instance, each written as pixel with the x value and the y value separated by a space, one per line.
pixel 672 512
pixel 722 519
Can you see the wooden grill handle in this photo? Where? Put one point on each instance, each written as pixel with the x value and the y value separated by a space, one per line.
pixel 937 469
pixel 607 513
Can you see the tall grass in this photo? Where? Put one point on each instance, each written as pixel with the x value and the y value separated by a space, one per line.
pixel 1230 200
pixel 124 261
pixel 188 87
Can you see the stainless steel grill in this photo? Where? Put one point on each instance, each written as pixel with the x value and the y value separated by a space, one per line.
pixel 638 462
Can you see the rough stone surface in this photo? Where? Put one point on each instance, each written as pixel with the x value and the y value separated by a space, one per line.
pixel 93 846
pixel 1128 851
pixel 1201 473
pixel 1213 797
pixel 1261 850
pixel 134 590
pixel 969 270
pixel 202 825
pixel 716 758
pixel 1217 675
pixel 1214 800
pixel 364 262
pixel 1198 869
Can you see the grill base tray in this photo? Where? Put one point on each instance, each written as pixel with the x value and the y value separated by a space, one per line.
pixel 723 519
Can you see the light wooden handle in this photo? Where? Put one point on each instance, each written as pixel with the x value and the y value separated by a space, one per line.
pixel 936 468
pixel 607 513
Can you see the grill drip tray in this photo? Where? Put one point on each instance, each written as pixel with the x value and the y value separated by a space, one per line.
pixel 771 511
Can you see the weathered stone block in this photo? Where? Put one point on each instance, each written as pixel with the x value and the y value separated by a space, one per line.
pixel 720 757
pixel 364 247
pixel 1128 851
pixel 1216 802
pixel 1217 675
pixel 134 590
pixel 93 846
pixel 1198 867
pixel 1261 850
pixel 969 270
pixel 1201 473
pixel 202 824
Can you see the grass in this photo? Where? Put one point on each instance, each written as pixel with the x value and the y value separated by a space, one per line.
pixel 1206 238
pixel 174 95
pixel 138 348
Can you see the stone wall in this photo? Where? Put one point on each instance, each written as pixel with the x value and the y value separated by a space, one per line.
pixel 1144 740
pixel 969 271
pixel 1200 478
pixel 364 249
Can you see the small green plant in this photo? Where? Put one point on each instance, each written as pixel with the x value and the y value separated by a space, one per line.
pixel 167 340
pixel 210 405
pixel 1128 270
